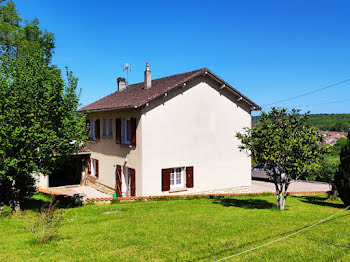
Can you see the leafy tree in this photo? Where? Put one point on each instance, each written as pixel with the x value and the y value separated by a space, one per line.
pixel 336 148
pixel 326 173
pixel 39 126
pixel 285 147
pixel 342 177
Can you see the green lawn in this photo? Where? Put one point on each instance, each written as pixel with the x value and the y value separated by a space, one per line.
pixel 187 230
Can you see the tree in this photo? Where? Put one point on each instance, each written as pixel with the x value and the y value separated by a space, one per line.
pixel 285 147
pixel 39 125
pixel 326 173
pixel 342 176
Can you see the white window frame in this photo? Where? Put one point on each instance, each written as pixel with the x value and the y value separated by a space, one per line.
pixel 177 177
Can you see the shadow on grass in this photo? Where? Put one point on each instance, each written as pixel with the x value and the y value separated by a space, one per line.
pixel 244 203
pixel 321 201
pixel 63 202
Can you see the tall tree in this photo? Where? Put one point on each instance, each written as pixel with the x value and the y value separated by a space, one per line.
pixel 39 125
pixel 285 147
pixel 342 176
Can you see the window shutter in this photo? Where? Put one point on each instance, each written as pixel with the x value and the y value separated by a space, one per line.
pixel 97 172
pixel 166 179
pixel 97 126
pixel 189 176
pixel 118 181
pixel 132 181
pixel 118 128
pixel 133 131
pixel 122 132
pixel 89 165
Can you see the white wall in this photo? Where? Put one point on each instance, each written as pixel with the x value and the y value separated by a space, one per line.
pixel 195 127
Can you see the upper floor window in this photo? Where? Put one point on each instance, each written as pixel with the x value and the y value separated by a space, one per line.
pixel 94 129
pixel 107 128
pixel 126 131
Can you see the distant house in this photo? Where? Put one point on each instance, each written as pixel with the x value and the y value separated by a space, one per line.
pixel 172 135
pixel 331 137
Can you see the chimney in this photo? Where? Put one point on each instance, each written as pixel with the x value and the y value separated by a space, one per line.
pixel 121 83
pixel 148 77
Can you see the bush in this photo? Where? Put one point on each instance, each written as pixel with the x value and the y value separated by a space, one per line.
pixel 342 176
pixel 47 223
pixel 5 211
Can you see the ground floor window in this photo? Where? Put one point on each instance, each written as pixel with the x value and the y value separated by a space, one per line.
pixel 176 177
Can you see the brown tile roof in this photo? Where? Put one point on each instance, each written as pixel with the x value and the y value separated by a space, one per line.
pixel 135 95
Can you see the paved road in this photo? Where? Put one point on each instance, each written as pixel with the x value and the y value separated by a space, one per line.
pixel 296 186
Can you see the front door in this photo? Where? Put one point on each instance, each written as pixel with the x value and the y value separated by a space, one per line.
pixel 130 185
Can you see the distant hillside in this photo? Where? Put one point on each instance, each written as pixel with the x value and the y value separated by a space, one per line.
pixel 331 122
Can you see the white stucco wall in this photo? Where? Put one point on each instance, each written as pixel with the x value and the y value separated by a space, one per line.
pixel 195 126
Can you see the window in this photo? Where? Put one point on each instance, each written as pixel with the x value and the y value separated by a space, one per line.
pixel 95 167
pixel 92 130
pixel 104 127
pixel 126 132
pixel 107 128
pixel 176 177
pixel 95 130
pixel 110 128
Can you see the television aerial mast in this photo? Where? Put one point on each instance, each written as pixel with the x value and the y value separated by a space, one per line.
pixel 127 69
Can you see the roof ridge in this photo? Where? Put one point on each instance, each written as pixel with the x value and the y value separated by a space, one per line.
pixel 164 77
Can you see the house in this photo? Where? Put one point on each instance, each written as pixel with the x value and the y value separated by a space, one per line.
pixel 172 135
pixel 331 137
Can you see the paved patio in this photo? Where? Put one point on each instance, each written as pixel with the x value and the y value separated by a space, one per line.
pixel 90 192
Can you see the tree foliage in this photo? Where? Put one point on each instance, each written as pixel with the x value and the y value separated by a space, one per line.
pixel 285 147
pixel 325 122
pixel 342 176
pixel 39 126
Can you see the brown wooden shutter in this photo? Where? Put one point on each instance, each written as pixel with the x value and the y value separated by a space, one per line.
pixel 189 176
pixel 133 131
pixel 132 182
pixel 118 130
pixel 166 179
pixel 97 129
pixel 118 181
pixel 97 168
pixel 89 165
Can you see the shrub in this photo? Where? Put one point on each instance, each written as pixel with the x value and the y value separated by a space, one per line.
pixel 46 223
pixel 5 211
pixel 342 176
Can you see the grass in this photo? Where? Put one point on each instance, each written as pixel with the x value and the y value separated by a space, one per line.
pixel 187 230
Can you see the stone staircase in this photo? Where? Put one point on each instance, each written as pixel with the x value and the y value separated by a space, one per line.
pixel 102 188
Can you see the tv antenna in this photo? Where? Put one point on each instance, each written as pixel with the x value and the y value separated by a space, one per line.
pixel 127 69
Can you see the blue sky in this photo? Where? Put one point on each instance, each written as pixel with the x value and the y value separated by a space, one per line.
pixel 269 50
